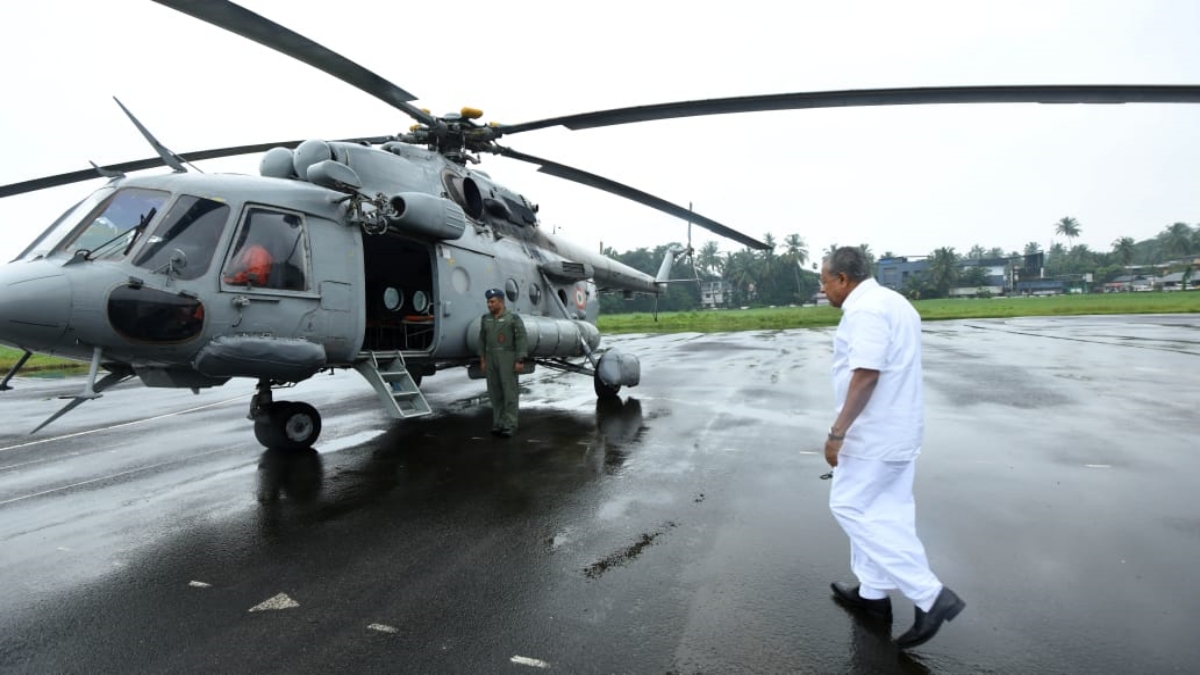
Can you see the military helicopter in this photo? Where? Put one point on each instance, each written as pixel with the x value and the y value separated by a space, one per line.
pixel 377 250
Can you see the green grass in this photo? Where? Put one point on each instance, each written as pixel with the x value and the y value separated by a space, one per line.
pixel 712 321
pixel 9 357
pixel 715 321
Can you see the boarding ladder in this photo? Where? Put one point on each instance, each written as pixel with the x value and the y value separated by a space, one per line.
pixel 393 384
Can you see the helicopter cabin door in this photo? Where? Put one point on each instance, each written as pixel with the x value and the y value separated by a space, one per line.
pixel 400 294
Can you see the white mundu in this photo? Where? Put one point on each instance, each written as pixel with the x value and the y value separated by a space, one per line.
pixel 871 496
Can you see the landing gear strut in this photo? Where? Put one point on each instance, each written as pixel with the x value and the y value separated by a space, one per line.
pixel 285 425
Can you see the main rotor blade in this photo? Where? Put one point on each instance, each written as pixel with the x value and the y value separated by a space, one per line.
pixel 1083 93
pixel 150 163
pixel 601 183
pixel 237 19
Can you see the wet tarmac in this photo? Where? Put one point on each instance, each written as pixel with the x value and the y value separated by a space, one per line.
pixel 682 530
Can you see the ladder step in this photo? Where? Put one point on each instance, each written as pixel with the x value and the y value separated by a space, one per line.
pixel 393 385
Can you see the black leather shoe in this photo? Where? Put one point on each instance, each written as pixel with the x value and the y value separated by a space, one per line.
pixel 848 596
pixel 926 624
pixel 504 433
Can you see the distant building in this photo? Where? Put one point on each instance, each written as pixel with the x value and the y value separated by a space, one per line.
pixel 1129 282
pixel 894 272
pixel 1040 286
pixel 996 281
pixel 1172 282
pixel 712 294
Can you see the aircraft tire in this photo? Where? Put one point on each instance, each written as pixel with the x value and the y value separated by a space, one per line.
pixel 288 425
pixel 604 390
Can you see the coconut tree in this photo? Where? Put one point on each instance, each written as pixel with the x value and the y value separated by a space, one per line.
pixel 740 272
pixel 709 258
pixel 1177 239
pixel 795 255
pixel 796 249
pixel 1123 250
pixel 1068 227
pixel 942 271
pixel 1032 248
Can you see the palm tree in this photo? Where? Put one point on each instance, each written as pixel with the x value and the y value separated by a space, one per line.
pixel 977 252
pixel 942 270
pixel 797 249
pixel 830 250
pixel 740 272
pixel 1068 227
pixel 1032 248
pixel 866 250
pixel 765 266
pixel 709 258
pixel 795 255
pixel 1056 259
pixel 1123 249
pixel 1177 239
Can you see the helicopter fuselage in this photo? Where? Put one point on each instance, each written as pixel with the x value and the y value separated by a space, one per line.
pixel 145 271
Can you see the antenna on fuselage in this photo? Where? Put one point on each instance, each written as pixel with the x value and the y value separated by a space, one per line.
pixel 169 158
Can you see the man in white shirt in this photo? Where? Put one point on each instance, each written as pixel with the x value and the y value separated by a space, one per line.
pixel 873 443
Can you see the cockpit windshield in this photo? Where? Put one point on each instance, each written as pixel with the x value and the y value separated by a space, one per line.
pixel 64 224
pixel 186 239
pixel 111 229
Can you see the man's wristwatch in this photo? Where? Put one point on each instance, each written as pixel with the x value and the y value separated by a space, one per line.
pixel 836 437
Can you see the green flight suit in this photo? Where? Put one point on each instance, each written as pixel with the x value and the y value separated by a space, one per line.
pixel 502 344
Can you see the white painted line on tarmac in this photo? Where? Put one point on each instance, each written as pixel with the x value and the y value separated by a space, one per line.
pixel 526 661
pixel 281 601
pixel 119 426
pixel 199 584
pixel 1098 466
pixel 108 477
pixel 383 628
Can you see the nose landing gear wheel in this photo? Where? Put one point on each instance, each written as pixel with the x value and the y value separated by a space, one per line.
pixel 605 390
pixel 288 425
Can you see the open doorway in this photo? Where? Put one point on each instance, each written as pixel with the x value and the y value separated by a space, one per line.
pixel 400 294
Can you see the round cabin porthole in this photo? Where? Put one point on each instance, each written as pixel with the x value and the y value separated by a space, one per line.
pixel 393 299
pixel 420 302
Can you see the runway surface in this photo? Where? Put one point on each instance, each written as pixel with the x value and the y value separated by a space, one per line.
pixel 682 530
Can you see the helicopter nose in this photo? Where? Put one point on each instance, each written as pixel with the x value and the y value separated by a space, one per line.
pixel 35 304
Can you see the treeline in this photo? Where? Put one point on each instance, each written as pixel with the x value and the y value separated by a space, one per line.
pixel 786 275
pixel 1068 262
pixel 780 275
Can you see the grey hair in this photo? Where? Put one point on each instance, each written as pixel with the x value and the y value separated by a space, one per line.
pixel 848 260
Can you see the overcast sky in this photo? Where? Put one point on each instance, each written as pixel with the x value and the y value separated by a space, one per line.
pixel 902 179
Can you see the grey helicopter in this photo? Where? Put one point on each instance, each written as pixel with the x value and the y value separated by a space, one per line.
pixel 369 254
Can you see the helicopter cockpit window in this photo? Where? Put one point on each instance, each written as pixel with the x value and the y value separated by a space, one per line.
pixel 269 251
pixel 111 230
pixel 65 224
pixel 192 227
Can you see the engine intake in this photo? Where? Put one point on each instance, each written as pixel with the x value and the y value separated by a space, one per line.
pixel 425 215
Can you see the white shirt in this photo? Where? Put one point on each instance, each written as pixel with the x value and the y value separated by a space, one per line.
pixel 881 331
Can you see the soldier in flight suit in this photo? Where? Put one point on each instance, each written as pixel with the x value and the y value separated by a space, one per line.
pixel 502 351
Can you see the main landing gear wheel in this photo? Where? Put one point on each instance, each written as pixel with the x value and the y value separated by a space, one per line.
pixel 605 390
pixel 288 425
